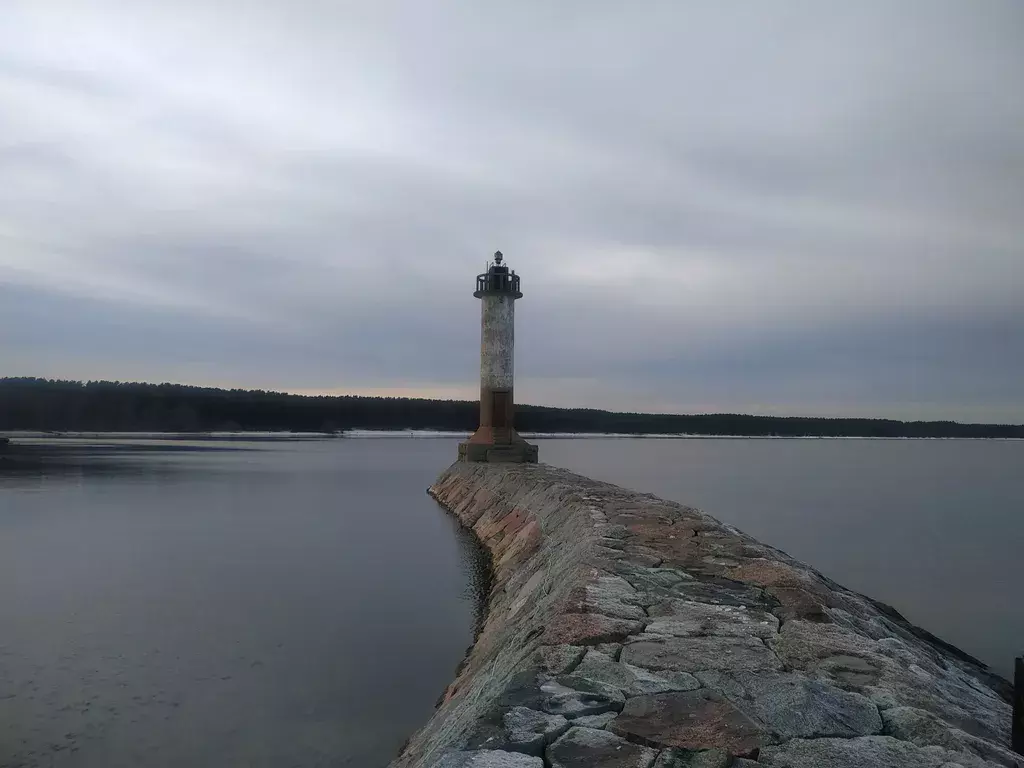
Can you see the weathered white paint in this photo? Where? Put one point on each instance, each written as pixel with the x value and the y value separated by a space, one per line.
pixel 497 339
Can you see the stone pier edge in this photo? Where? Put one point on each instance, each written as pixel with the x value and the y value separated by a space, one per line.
pixel 626 630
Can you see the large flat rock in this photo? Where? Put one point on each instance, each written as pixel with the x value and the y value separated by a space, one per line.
pixel 695 720
pixel 865 752
pixel 588 747
pixel 695 654
pixel 791 705
pixel 634 681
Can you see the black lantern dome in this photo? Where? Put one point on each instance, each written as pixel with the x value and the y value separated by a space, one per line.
pixel 498 280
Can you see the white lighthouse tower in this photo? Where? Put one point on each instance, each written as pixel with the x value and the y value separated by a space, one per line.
pixel 496 438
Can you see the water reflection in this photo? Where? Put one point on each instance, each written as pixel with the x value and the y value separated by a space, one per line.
pixel 33 461
pixel 287 604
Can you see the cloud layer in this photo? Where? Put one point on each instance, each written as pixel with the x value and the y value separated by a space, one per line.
pixel 801 208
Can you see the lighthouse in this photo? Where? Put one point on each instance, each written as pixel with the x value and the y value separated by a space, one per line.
pixel 496 438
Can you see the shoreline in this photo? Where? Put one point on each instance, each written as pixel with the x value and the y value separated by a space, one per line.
pixel 369 434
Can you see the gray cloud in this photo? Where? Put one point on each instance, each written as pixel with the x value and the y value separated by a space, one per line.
pixel 801 209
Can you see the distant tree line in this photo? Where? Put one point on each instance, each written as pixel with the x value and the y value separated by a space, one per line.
pixel 49 405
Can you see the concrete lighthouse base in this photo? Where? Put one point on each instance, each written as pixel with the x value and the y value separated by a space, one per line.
pixel 482 447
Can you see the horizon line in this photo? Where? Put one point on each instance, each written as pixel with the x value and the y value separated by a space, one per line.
pixel 85 382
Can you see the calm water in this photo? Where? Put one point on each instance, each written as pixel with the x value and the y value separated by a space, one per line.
pixel 304 603
pixel 297 604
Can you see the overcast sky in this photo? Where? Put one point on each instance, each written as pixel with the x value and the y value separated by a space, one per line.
pixel 786 207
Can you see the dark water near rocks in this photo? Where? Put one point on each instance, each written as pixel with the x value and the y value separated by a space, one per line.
pixel 304 603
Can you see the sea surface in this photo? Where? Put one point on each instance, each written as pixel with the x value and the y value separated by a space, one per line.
pixel 175 604
pixel 304 603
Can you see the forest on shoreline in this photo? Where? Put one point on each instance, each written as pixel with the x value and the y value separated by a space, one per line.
pixel 99 406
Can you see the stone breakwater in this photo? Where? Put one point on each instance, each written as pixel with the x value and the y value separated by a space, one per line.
pixel 629 631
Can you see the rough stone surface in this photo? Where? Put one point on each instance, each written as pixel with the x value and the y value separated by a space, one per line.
pixel 489 758
pixel 692 720
pixel 623 629
pixel 530 731
pixel 794 706
pixel 688 758
pixel 589 629
pixel 595 721
pixel 611 650
pixel 893 672
pixel 588 747
pixel 608 595
pixel 573 696
pixel 634 681
pixel 686 618
pixel 559 659
pixel 693 654
pixel 925 729
pixel 865 752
